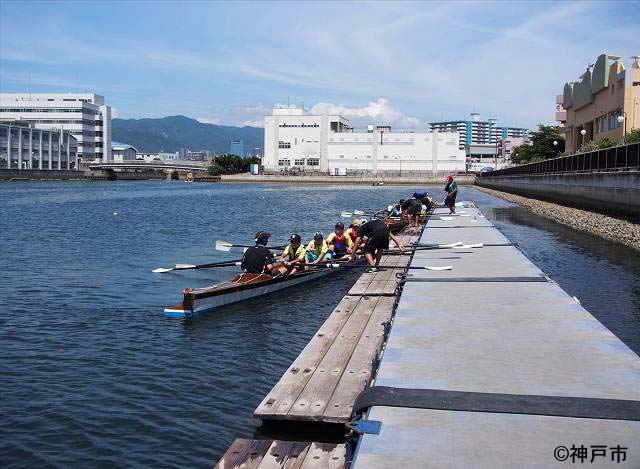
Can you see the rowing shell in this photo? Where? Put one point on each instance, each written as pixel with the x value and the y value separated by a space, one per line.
pixel 242 287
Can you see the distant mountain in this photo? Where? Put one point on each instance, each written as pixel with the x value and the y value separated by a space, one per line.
pixel 174 132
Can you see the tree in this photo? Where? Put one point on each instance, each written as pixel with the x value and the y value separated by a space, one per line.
pixel 541 147
pixel 606 142
pixel 632 136
pixel 231 164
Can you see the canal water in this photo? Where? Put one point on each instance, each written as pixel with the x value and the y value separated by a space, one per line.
pixel 92 374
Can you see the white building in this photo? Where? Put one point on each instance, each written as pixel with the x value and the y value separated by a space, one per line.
pixel 162 156
pixel 83 114
pixel 295 139
pixel 123 152
pixel 24 147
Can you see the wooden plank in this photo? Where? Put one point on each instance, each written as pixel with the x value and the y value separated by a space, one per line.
pixel 285 455
pixel 277 454
pixel 359 369
pixel 325 456
pixel 312 401
pixel 281 397
pixel 244 454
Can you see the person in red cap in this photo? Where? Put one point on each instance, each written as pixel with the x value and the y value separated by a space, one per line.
pixel 452 190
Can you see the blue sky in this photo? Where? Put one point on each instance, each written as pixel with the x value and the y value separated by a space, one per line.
pixel 230 62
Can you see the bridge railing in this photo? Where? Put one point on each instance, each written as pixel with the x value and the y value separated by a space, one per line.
pixel 618 158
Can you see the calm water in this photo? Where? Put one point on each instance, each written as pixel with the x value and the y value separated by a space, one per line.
pixel 93 374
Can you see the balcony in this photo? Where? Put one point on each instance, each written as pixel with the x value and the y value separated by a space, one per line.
pixel 561 116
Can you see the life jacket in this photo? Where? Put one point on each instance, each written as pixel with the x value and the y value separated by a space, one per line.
pixel 339 242
pixel 352 234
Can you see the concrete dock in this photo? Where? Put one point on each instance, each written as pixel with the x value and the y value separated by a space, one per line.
pixel 507 370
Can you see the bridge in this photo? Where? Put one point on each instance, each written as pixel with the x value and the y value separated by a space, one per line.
pixel 136 164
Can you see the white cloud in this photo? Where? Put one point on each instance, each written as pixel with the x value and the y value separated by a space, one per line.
pixel 114 112
pixel 375 112
pixel 209 120
pixel 253 123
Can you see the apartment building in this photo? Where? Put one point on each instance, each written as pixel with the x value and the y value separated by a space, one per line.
pixel 475 131
pixel 604 102
pixel 294 138
pixel 84 115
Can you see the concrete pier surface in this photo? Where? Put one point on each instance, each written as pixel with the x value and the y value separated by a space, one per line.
pixel 540 378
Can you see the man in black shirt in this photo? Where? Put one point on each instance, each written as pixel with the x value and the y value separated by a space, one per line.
pixel 258 259
pixel 378 234
pixel 412 208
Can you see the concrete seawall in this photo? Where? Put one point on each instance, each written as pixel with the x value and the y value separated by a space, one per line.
pixel 368 181
pixel 27 174
pixel 610 192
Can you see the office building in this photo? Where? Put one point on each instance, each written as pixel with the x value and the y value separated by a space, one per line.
pixel 160 156
pixel 298 140
pixel 85 115
pixel 604 102
pixel 23 147
pixel 236 147
pixel 202 155
pixel 123 152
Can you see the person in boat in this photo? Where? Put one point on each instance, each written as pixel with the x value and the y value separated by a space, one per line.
pixel 395 211
pixel 317 250
pixel 352 233
pixel 339 242
pixel 451 189
pixel 377 234
pixel 293 257
pixel 426 200
pixel 258 259
pixel 411 210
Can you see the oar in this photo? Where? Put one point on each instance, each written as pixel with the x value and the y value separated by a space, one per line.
pixel 426 267
pixel 162 270
pixel 227 246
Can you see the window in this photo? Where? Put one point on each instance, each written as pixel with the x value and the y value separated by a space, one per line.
pixel 282 144
pixel 284 162
pixel 299 162
pixel 313 161
pixel 342 156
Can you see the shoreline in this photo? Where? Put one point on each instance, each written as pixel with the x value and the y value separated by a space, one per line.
pixel 610 228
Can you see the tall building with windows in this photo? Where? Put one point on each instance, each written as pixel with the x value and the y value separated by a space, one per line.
pixel 236 147
pixel 295 140
pixel 604 102
pixel 24 147
pixel 84 115
pixel 475 131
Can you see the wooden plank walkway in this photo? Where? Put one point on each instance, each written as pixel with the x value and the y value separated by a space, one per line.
pixel 272 454
pixel 322 383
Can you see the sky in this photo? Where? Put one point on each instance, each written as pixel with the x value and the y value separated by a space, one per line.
pixel 397 63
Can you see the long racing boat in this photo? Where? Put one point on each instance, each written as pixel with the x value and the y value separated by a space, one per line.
pixel 245 286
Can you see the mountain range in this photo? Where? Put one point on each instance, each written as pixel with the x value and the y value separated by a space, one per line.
pixel 172 133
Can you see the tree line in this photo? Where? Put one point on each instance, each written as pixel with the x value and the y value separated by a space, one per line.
pixel 231 164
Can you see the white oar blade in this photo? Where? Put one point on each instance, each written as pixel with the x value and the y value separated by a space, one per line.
pixel 161 270
pixel 358 212
pixel 344 214
pixel 446 267
pixel 446 218
pixel 223 246
pixel 467 246
pixel 452 245
pixel 185 266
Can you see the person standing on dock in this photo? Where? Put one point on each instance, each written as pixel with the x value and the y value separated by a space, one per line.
pixel 258 259
pixel 377 234
pixel 451 190
pixel 411 209
pixel 293 256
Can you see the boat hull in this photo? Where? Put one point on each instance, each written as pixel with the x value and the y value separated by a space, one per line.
pixel 209 303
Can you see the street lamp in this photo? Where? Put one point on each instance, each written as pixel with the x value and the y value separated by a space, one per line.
pixel 623 119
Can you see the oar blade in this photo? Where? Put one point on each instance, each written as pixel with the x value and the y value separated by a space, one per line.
pixel 344 214
pixel 446 267
pixel 161 270
pixel 223 246
pixel 184 266
pixel 358 212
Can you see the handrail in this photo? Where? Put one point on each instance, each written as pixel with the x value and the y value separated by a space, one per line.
pixel 621 157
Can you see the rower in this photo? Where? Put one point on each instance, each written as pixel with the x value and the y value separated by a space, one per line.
pixel 425 198
pixel 395 210
pixel 377 234
pixel 352 233
pixel 258 259
pixel 317 250
pixel 339 242
pixel 293 256
pixel 411 208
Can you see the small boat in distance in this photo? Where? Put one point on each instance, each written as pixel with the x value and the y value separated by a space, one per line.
pixel 189 178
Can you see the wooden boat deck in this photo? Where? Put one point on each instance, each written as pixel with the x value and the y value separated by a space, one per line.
pixel 264 454
pixel 322 383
